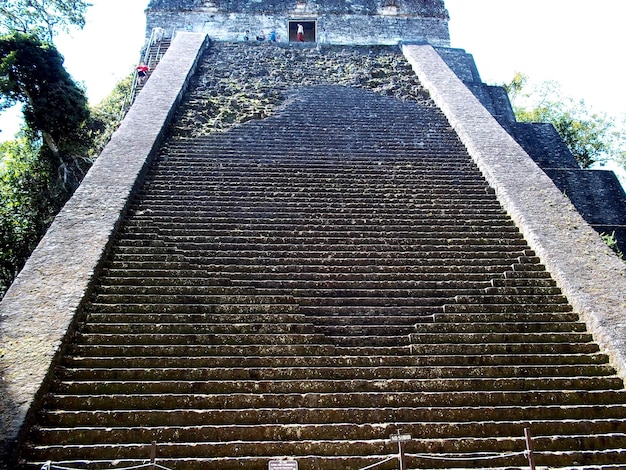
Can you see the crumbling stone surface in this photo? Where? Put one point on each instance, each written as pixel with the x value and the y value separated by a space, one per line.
pixel 236 84
pixel 423 8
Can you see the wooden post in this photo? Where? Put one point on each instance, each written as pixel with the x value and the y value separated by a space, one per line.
pixel 401 457
pixel 153 455
pixel 401 439
pixel 529 448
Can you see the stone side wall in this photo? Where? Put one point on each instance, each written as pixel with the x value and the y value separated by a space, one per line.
pixel 588 272
pixel 38 311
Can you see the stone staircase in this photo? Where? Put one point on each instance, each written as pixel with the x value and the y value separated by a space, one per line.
pixel 305 286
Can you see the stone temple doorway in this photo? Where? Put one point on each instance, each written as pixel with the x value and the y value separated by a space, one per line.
pixel 310 30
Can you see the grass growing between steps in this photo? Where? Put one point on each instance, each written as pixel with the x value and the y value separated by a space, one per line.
pixel 237 83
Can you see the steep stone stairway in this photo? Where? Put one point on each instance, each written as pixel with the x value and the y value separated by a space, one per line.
pixel 307 285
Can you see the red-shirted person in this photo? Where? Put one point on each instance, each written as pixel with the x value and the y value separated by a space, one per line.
pixel 142 72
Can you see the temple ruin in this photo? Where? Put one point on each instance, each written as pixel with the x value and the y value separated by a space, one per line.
pixel 336 253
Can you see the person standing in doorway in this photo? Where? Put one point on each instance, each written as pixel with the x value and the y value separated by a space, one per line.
pixel 300 34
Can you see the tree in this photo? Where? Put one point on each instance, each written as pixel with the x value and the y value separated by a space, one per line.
pixel 55 108
pixel 107 115
pixel 29 189
pixel 25 208
pixel 590 136
pixel 42 18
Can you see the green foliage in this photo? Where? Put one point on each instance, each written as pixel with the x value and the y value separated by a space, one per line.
pixel 25 205
pixel 590 136
pixel 32 72
pixel 107 115
pixel 34 184
pixel 41 18
pixel 611 242
pixel 40 170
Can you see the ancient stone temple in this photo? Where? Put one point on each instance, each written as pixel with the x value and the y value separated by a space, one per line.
pixel 336 253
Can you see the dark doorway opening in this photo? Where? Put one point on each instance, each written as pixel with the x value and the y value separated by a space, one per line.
pixel 309 31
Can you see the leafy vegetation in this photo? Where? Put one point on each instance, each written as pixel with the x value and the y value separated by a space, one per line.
pixel 41 18
pixel 591 137
pixel 61 136
pixel 612 243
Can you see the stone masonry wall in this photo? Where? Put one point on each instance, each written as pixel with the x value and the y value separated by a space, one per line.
pixel 339 29
pixel 421 8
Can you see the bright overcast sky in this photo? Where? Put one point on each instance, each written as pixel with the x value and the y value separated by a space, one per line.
pixel 579 43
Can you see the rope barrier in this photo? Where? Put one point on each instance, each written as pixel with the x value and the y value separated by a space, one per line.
pixel 452 458
pixel 458 457
pixel 467 457
pixel 51 466
pixel 393 457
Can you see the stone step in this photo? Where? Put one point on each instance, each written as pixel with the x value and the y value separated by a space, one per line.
pixel 506 308
pixel 512 337
pixel 469 317
pixel 195 287
pixel 306 258
pixel 169 361
pixel 303 350
pixel 321 160
pixel 372 300
pixel 201 308
pixel 183 245
pixel 335 431
pixel 473 206
pixel 193 298
pixel 191 318
pixel 493 298
pixel 300 295
pixel 334 373
pixel 311 415
pixel 440 318
pixel 200 338
pixel 111 386
pixel 176 230
pixel 199 228
pixel 415 311
pixel 232 267
pixel 93 328
pixel 144 401
pixel 308 248
pixel 500 328
pixel 117 282
pixel 112 275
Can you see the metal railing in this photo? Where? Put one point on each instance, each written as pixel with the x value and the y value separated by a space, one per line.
pixel 150 58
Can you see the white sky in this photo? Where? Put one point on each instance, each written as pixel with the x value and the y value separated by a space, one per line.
pixel 108 48
pixel 579 43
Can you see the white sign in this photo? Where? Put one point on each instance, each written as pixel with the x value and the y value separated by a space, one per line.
pixel 283 465
pixel 400 437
